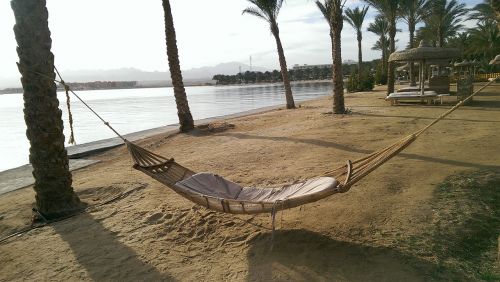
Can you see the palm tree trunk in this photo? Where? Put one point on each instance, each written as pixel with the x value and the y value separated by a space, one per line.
pixel 360 56
pixel 392 48
pixel 411 28
pixel 185 118
pixel 440 36
pixel 338 82
pixel 384 54
pixel 54 195
pixel 290 103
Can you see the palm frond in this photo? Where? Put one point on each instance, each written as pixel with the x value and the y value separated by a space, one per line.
pixel 356 17
pixel 443 19
pixel 380 26
pixel 255 12
pixel 266 9
pixel 412 11
pixel 324 8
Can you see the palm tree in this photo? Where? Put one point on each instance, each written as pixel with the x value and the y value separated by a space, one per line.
pixel 442 20
pixel 269 10
pixel 332 11
pixel 412 12
pixel 389 9
pixel 460 41
pixel 483 12
pixel 381 28
pixel 356 18
pixel 54 195
pixel 185 118
pixel 484 40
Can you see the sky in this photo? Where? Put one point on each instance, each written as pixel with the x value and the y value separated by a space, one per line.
pixel 110 34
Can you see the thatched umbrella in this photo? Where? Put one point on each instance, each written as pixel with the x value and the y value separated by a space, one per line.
pixel 424 54
pixel 467 66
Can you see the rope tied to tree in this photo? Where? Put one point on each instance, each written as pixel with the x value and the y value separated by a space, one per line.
pixel 70 114
pixel 68 89
pixel 68 105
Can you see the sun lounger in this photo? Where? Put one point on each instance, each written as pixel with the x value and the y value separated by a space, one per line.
pixel 428 97
pixel 411 89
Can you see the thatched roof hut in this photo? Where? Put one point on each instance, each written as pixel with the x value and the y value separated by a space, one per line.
pixel 425 52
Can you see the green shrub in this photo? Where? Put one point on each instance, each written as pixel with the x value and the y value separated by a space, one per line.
pixel 365 83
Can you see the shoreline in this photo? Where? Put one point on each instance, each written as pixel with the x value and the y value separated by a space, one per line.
pixel 163 86
pixel 98 146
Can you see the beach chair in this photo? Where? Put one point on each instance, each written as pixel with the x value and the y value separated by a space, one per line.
pixel 428 97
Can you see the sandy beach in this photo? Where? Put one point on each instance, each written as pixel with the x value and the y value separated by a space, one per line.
pixel 412 219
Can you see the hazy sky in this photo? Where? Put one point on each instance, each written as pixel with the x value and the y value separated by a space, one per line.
pixel 107 34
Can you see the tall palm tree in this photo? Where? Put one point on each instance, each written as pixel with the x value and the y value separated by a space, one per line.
pixel 389 9
pixel 268 10
pixel 442 20
pixel 54 195
pixel 332 11
pixel 381 28
pixel 185 118
pixel 412 12
pixel 355 18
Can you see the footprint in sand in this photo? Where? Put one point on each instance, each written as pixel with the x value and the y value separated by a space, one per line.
pixel 156 218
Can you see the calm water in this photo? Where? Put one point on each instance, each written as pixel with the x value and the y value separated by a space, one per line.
pixel 138 109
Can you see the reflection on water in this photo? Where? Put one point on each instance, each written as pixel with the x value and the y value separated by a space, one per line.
pixel 132 110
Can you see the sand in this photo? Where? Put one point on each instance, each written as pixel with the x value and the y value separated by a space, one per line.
pixel 152 234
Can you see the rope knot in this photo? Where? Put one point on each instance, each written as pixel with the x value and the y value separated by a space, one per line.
pixel 106 123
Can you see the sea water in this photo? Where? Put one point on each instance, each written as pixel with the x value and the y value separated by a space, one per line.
pixel 131 110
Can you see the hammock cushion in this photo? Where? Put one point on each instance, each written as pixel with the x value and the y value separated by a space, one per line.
pixel 212 185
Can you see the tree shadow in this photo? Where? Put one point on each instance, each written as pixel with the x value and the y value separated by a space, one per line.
pixel 485 103
pixel 302 255
pixel 353 149
pixel 426 118
pixel 102 255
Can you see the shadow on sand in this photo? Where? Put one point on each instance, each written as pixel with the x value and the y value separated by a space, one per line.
pixel 302 255
pixel 102 255
pixel 425 118
pixel 329 144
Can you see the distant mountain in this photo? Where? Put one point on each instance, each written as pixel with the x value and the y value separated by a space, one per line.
pixel 123 74
pixel 203 74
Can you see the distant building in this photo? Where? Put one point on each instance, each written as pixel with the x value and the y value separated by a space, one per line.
pixel 306 67
pixel 349 62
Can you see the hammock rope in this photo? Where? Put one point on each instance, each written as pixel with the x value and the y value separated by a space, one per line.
pixel 171 173
pixel 68 105
pixel 68 88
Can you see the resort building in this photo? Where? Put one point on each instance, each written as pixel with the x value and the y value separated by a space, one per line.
pixel 306 66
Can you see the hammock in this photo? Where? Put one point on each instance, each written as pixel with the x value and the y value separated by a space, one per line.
pixel 216 193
